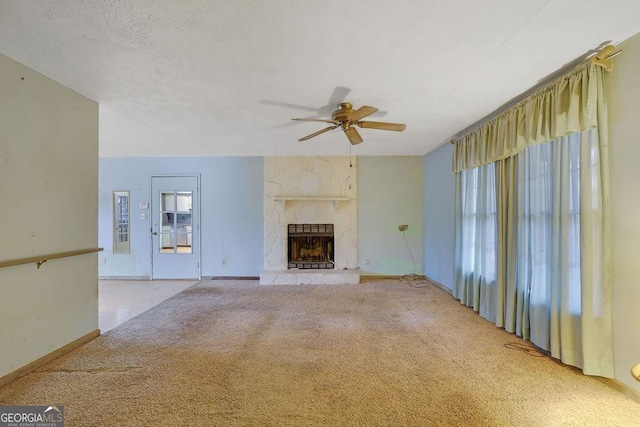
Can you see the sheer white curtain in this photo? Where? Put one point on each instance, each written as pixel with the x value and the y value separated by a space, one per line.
pixel 476 236
pixel 547 255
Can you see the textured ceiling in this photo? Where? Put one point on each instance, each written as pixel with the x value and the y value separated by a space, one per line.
pixel 224 78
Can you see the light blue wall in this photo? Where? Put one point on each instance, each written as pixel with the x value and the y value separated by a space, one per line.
pixel 231 223
pixel 390 192
pixel 439 220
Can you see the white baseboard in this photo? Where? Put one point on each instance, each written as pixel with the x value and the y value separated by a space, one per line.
pixel 10 377
pixel 440 285
pixel 621 387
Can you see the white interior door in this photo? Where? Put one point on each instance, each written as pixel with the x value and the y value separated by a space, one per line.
pixel 175 227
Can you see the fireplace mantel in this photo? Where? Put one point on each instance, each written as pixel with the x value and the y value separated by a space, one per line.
pixel 286 199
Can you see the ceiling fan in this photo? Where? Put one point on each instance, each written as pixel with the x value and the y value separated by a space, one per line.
pixel 347 118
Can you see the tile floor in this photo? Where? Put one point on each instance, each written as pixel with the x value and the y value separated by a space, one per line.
pixel 120 300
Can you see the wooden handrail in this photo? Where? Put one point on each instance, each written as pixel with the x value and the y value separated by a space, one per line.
pixel 39 260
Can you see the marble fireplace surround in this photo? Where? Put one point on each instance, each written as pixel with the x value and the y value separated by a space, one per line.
pixel 310 190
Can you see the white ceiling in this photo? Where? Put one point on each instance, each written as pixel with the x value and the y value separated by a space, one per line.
pixel 224 78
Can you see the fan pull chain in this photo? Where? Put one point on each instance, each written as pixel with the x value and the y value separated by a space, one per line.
pixel 350 165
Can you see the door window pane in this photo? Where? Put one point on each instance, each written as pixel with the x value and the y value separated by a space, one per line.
pixel 183 201
pixel 167 201
pixel 176 232
pixel 167 243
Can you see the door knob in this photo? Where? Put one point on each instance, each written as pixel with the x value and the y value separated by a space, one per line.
pixel 154 233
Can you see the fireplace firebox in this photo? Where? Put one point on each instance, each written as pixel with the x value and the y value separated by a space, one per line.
pixel 310 246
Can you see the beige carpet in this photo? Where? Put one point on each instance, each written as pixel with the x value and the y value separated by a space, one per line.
pixel 379 353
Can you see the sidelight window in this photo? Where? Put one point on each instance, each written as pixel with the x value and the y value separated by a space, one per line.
pixel 121 222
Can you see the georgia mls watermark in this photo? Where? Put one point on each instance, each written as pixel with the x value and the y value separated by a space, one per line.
pixel 32 416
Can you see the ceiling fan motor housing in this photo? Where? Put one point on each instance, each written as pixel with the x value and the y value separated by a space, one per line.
pixel 343 113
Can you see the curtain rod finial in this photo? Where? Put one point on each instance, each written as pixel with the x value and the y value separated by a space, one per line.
pixel 604 57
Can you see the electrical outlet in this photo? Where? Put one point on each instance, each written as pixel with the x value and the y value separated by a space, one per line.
pixel 403 227
pixel 224 261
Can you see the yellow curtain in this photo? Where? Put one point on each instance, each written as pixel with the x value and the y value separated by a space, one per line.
pixel 562 107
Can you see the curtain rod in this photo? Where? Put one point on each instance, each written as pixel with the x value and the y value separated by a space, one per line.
pixel 602 58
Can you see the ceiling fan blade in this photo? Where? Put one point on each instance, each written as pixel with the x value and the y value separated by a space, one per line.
pixel 313 120
pixel 362 112
pixel 338 95
pixel 327 129
pixel 353 135
pixel 397 127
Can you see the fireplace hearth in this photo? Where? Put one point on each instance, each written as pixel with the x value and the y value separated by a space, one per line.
pixel 310 246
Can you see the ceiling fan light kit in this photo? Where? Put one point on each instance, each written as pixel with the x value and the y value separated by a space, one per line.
pixel 347 118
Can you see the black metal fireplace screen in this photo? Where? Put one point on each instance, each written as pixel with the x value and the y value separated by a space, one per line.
pixel 310 246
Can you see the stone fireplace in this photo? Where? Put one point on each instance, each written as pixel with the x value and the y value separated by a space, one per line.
pixel 312 191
